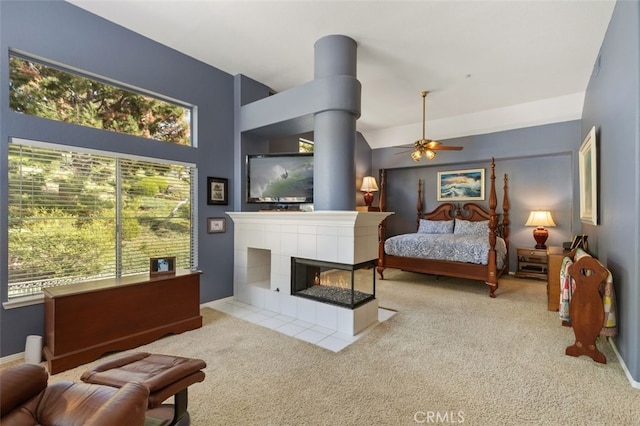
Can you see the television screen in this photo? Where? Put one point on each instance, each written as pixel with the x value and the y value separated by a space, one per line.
pixel 280 178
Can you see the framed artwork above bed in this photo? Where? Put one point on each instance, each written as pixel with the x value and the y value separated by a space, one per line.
pixel 461 185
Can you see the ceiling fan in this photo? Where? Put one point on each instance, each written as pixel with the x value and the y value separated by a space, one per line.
pixel 428 147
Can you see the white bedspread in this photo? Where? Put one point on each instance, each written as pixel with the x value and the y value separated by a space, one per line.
pixel 453 247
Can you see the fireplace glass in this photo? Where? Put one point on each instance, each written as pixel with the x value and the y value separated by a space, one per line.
pixel 335 283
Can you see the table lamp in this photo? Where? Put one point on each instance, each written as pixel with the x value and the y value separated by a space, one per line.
pixel 540 219
pixel 369 185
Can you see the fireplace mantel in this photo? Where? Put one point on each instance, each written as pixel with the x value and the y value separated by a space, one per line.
pixel 265 242
pixel 339 236
pixel 329 216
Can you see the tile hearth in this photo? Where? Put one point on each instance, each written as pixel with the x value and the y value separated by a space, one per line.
pixel 303 330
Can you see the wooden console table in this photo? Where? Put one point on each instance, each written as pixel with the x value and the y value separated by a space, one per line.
pixel 555 256
pixel 86 320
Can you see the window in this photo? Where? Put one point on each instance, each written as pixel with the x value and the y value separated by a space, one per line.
pixel 305 145
pixel 82 215
pixel 49 92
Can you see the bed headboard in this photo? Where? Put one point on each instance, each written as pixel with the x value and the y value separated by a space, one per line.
pixel 446 211
pixel 469 211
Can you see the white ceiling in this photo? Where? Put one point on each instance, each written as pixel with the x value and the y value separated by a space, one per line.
pixel 488 65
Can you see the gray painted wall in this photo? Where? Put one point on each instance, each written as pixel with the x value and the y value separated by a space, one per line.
pixel 62 33
pixel 537 160
pixel 612 104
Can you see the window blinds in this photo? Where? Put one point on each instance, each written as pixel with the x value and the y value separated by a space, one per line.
pixel 77 216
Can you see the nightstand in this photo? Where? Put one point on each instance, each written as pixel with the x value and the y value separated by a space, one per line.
pixel 367 209
pixel 532 263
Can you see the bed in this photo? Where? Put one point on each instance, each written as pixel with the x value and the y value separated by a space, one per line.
pixel 478 249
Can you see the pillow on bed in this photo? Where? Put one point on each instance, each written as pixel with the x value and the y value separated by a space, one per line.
pixel 466 227
pixel 435 226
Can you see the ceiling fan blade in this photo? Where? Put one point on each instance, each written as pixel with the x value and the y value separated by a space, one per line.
pixel 446 148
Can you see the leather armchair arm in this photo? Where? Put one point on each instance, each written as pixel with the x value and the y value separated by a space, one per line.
pixel 19 384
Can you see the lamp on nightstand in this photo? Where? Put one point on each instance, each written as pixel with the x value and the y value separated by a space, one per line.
pixel 540 219
pixel 369 185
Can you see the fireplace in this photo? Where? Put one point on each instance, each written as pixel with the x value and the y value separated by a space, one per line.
pixel 338 284
pixel 265 242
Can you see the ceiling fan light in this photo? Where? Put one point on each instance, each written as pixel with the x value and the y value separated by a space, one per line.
pixel 429 154
pixel 427 146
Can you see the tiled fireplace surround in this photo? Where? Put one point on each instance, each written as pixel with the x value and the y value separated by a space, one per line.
pixel 265 242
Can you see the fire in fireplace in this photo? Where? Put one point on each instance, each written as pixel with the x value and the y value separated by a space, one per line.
pixel 335 283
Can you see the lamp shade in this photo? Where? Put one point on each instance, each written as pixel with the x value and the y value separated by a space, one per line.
pixel 540 218
pixel 369 184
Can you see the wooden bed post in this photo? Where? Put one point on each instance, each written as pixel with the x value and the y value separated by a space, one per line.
pixel 505 216
pixel 382 203
pixel 419 205
pixel 492 278
pixel 382 200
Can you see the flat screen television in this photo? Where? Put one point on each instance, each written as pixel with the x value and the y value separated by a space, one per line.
pixel 280 178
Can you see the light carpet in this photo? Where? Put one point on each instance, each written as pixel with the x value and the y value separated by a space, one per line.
pixel 451 354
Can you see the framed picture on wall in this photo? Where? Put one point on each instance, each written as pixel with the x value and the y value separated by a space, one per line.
pixel 588 171
pixel 216 225
pixel 461 185
pixel 217 191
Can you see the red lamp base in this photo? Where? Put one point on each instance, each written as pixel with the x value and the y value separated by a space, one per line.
pixel 540 234
pixel 368 198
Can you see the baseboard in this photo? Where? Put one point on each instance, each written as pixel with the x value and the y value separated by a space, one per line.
pixel 632 382
pixel 11 358
pixel 213 303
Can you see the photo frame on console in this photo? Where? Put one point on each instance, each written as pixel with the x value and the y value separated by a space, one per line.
pixel 162 265
pixel 579 241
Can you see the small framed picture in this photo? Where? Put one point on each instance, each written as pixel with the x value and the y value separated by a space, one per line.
pixel 217 191
pixel 162 265
pixel 216 225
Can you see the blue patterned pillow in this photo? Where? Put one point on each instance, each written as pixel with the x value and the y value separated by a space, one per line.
pixel 466 227
pixel 435 226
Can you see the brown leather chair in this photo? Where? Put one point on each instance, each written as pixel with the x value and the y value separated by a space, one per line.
pixel 26 399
